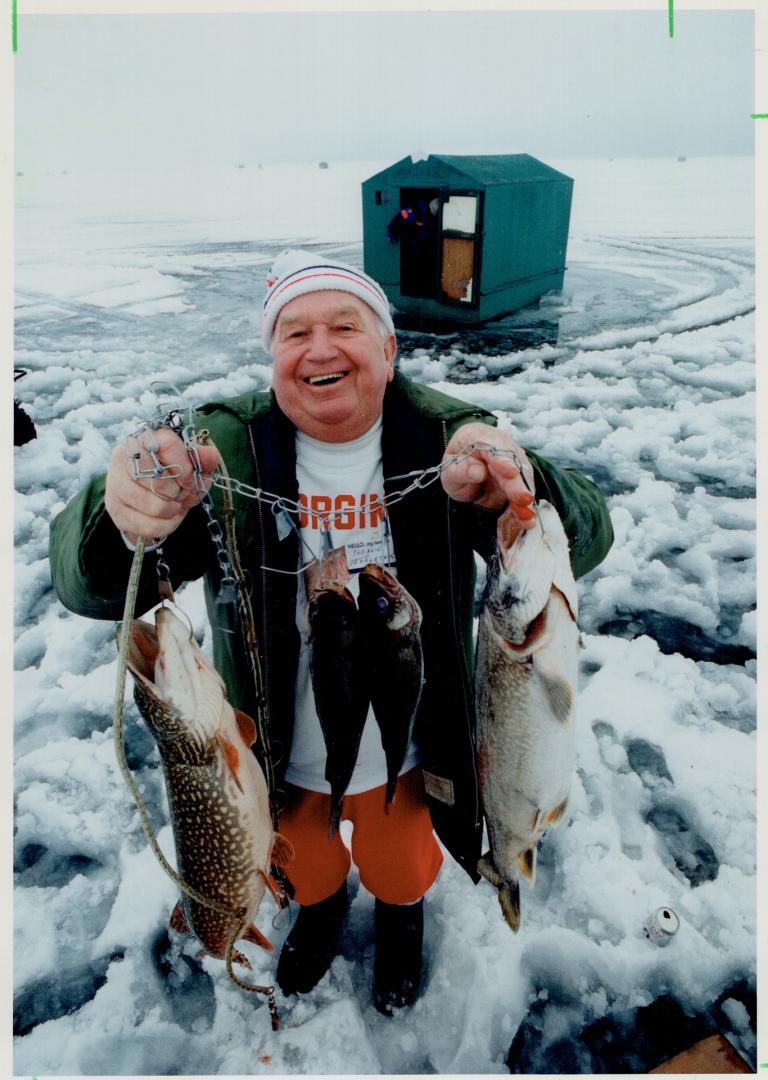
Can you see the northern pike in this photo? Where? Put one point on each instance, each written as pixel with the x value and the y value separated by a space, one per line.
pixel 217 794
pixel 391 620
pixel 338 683
pixel 526 672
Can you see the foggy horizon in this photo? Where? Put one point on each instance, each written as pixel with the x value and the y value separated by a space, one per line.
pixel 147 92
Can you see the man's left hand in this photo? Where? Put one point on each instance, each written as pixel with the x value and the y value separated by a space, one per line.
pixel 490 480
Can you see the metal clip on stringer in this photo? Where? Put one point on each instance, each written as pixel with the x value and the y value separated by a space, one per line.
pixel 158 470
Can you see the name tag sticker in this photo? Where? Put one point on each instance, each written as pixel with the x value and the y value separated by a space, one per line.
pixel 362 552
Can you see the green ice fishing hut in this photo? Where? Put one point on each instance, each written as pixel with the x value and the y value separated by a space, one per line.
pixel 465 239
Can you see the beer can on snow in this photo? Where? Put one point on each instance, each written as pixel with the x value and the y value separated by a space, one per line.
pixel 661 926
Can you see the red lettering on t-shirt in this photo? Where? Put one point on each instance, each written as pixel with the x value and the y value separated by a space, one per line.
pixel 321 506
pixel 342 519
pixel 344 512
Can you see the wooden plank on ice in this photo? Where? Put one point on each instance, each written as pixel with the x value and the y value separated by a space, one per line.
pixel 712 1055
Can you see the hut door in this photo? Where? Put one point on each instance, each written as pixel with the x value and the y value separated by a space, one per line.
pixel 458 242
pixel 417 233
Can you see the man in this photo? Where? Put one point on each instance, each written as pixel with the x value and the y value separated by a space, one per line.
pixel 335 436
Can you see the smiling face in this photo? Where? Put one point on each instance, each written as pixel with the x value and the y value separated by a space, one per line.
pixel 331 365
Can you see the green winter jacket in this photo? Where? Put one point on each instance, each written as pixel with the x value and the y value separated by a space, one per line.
pixel 434 539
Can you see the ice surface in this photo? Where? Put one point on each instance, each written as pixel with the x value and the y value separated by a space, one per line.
pixel 640 374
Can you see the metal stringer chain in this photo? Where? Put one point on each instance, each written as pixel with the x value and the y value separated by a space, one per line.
pixel 422 478
pixel 233 586
pixel 248 622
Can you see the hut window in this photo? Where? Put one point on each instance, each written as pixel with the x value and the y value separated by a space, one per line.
pixel 460 214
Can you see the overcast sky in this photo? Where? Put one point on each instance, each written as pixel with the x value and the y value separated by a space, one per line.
pixel 160 91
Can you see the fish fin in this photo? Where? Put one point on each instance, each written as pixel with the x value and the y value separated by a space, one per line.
pixel 487 870
pixel 178 922
pixel 526 860
pixel 559 694
pixel 246 727
pixel 509 891
pixel 282 851
pixel 255 936
pixel 509 899
pixel 554 816
pixel 231 757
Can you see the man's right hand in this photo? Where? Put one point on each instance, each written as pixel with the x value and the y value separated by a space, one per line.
pixel 132 504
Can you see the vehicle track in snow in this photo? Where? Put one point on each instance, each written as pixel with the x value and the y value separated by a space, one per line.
pixel 617 293
pixel 731 292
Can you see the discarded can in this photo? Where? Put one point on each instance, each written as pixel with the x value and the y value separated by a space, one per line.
pixel 661 926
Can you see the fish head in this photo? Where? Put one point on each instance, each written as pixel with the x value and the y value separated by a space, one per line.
pixel 519 575
pixel 384 599
pixel 332 609
pixel 184 678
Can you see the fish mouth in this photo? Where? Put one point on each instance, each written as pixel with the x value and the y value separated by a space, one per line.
pixel 381 576
pixel 333 585
pixel 329 379
pixel 508 529
pixel 342 597
pixel 376 577
pixel 143 648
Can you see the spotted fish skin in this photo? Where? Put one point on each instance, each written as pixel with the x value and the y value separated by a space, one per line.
pixel 216 790
pixel 526 675
pixel 338 683
pixel 390 621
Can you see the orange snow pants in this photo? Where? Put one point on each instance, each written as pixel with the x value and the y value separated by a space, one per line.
pixel 396 852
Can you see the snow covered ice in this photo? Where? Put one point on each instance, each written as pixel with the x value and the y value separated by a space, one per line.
pixel 641 374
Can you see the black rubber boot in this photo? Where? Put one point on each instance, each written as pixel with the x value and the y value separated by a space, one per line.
pixel 399 930
pixel 311 945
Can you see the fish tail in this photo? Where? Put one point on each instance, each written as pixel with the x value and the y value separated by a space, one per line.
pixel 526 860
pixel 509 899
pixel 391 785
pixel 178 921
pixel 335 817
pixel 486 868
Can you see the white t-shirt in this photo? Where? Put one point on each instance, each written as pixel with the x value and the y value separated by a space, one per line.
pixel 345 480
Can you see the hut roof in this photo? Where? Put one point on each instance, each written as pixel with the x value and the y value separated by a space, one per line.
pixel 481 169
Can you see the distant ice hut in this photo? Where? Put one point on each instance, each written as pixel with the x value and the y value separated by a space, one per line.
pixel 466 239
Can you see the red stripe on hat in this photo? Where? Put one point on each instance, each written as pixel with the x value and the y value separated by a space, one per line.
pixel 309 277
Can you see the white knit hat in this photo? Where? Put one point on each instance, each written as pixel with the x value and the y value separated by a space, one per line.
pixel 296 272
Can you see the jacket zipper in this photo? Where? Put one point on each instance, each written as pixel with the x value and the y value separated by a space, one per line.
pixel 457 638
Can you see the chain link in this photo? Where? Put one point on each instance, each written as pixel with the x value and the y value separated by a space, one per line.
pixel 421 479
